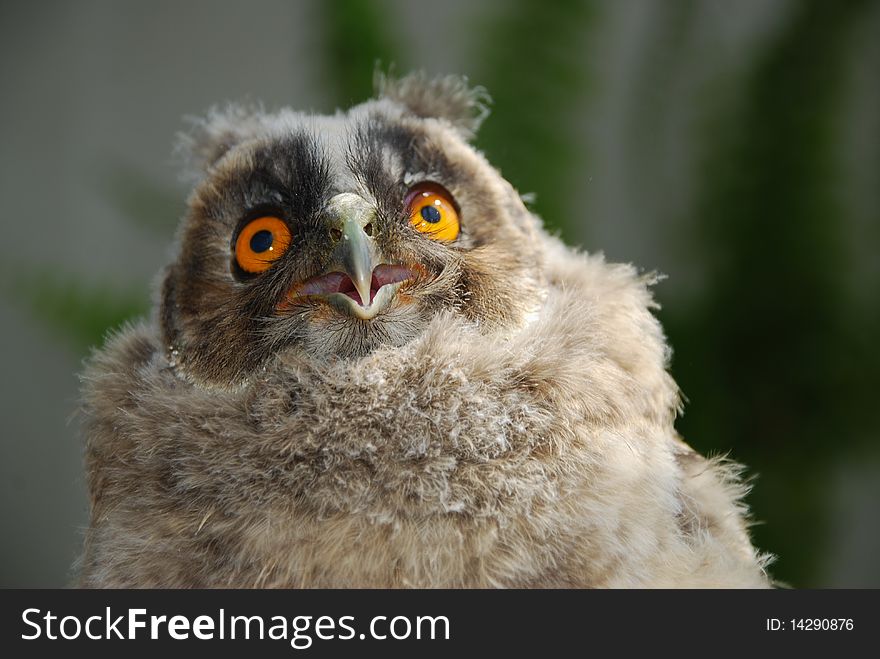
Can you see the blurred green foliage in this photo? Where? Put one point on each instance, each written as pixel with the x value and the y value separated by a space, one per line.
pixel 537 93
pixel 357 38
pixel 77 312
pixel 771 352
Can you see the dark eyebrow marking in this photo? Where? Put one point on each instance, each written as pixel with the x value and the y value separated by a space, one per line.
pixel 294 171
pixel 367 152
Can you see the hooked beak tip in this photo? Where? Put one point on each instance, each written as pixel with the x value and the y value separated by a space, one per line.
pixel 362 284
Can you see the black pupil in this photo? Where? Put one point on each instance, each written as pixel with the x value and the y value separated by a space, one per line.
pixel 431 214
pixel 261 241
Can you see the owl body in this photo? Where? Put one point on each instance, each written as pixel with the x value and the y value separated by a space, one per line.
pixel 504 419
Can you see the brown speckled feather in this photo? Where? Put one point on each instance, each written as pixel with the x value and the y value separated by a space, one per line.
pixel 543 456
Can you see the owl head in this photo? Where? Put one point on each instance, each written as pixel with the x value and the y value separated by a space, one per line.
pixel 334 235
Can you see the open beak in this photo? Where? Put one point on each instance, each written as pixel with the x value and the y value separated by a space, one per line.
pixel 356 281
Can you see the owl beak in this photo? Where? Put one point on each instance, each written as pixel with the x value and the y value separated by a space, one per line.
pixel 351 220
pixel 357 254
pixel 356 281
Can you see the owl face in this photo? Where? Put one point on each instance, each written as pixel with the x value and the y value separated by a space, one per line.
pixel 334 235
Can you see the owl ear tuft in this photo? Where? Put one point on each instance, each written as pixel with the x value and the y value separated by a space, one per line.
pixel 210 137
pixel 443 97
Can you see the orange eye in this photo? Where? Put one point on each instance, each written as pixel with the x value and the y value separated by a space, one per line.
pixel 432 212
pixel 260 243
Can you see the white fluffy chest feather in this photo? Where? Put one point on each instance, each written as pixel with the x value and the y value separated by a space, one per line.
pixel 543 457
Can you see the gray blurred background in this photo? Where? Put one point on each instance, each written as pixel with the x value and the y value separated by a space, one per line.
pixel 733 146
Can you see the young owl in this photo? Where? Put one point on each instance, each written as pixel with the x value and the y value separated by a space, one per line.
pixel 370 367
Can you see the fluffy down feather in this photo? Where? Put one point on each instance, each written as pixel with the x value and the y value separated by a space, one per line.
pixel 541 457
